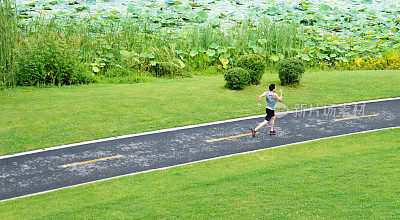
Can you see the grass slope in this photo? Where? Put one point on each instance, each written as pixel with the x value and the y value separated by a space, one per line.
pixel 34 118
pixel 354 176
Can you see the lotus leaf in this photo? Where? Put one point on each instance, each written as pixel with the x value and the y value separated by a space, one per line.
pixel 210 53
pixel 201 16
pixel 193 53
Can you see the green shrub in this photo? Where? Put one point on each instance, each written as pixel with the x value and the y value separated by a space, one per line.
pixel 49 60
pixel 118 75
pixel 290 71
pixel 200 62
pixel 83 75
pixel 237 78
pixel 29 71
pixel 118 71
pixel 131 79
pixel 211 71
pixel 255 64
pixel 165 69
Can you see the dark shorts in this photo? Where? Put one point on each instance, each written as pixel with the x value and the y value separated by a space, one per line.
pixel 270 114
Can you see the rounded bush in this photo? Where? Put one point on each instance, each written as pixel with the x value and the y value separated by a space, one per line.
pixel 290 71
pixel 237 78
pixel 255 64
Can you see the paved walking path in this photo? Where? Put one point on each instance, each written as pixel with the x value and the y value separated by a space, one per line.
pixel 54 168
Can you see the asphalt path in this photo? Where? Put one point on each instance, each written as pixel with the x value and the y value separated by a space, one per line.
pixel 54 168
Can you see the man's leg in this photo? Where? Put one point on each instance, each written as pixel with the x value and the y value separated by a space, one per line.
pixel 261 125
pixel 272 123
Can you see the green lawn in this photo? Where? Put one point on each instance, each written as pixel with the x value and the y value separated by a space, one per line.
pixel 356 176
pixel 33 118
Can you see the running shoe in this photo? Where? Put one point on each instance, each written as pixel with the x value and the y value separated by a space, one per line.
pixel 253 132
pixel 272 132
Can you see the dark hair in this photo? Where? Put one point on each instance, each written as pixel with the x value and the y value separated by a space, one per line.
pixel 271 87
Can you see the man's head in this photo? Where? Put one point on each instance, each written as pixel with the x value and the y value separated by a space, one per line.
pixel 272 87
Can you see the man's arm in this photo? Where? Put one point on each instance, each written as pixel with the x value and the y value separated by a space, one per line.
pixel 279 98
pixel 260 97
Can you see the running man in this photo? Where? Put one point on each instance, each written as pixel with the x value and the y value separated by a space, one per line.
pixel 271 101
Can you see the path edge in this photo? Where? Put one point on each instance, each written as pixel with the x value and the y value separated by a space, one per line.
pixel 185 127
pixel 198 161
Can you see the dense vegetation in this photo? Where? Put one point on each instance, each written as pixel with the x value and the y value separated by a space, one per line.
pixel 8 39
pixel 180 40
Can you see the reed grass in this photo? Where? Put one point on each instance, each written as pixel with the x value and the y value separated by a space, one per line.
pixel 9 37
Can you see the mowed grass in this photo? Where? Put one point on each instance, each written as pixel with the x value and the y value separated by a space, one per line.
pixel 355 176
pixel 33 118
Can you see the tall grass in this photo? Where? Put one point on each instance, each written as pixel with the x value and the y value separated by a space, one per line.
pixel 8 40
pixel 266 38
pixel 137 46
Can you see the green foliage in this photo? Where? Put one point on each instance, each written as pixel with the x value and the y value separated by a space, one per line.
pixel 118 71
pixel 143 43
pixel 319 34
pixel 83 75
pixel 131 79
pixel 255 64
pixel 9 36
pixel 200 61
pixel 166 61
pixel 106 45
pixel 290 71
pixel 118 75
pixel 165 69
pixel 48 60
pixel 237 78
pixel 223 46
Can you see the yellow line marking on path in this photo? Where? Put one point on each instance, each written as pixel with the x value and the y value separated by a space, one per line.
pixel 225 138
pixel 91 161
pixel 364 116
pixel 241 135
